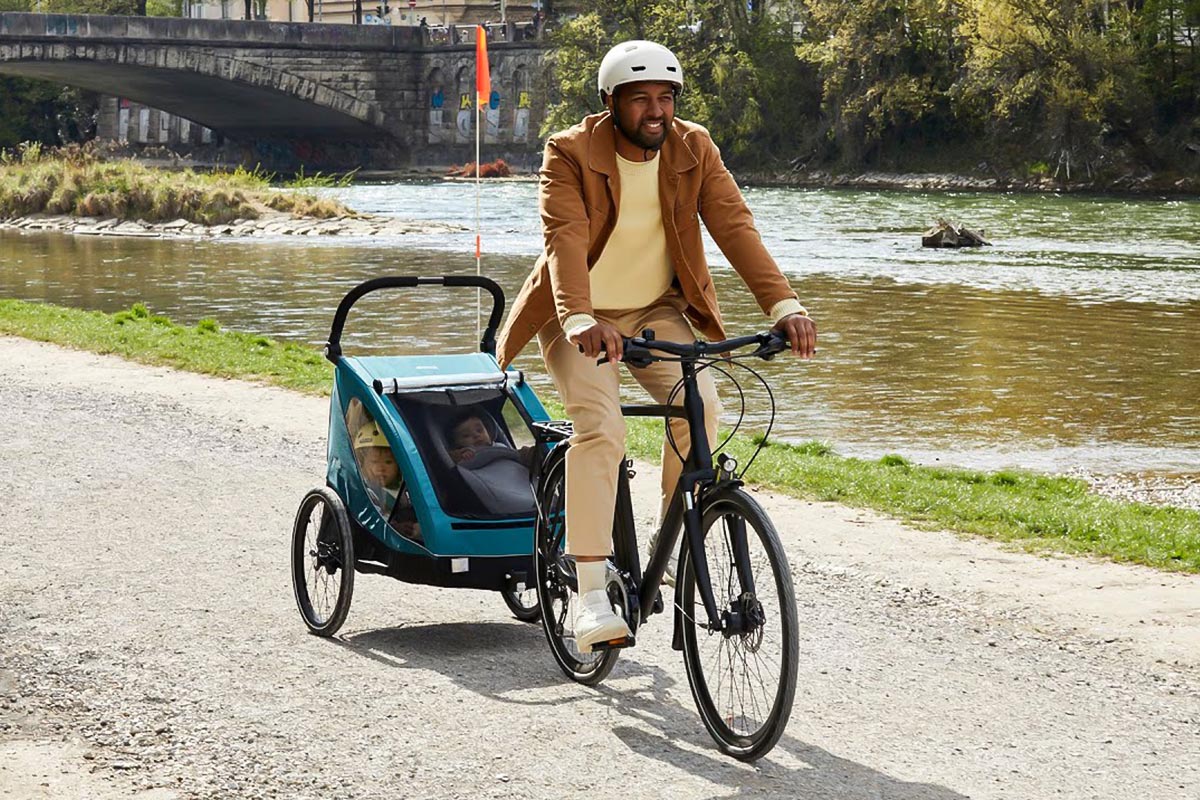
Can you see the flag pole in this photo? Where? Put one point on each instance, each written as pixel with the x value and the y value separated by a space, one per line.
pixel 481 70
pixel 478 253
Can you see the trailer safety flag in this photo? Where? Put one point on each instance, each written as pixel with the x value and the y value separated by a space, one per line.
pixel 483 76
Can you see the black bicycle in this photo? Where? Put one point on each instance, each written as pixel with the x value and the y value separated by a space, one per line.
pixel 734 607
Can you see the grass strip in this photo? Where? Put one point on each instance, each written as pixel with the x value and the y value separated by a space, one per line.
pixel 1035 512
pixel 141 336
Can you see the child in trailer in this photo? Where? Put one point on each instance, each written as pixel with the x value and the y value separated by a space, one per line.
pixel 381 475
pixel 492 469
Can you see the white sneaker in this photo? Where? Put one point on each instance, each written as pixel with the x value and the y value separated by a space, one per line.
pixel 594 620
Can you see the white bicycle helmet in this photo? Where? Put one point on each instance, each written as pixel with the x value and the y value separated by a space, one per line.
pixel 638 60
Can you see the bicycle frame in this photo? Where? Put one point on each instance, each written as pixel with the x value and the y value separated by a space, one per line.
pixel 698 481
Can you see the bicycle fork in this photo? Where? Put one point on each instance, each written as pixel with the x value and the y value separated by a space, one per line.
pixel 699 484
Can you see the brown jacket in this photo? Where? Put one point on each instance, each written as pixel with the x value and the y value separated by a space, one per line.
pixel 578 198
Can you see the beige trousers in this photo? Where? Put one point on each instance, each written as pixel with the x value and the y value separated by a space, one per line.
pixel 591 395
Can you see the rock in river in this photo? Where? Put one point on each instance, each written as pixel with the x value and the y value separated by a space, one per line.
pixel 946 234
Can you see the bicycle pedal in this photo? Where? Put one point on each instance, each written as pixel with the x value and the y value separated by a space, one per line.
pixel 615 644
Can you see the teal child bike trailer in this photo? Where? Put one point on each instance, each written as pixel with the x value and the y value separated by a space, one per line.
pixel 434 521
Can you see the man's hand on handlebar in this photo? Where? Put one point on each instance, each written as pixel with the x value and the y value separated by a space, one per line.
pixel 801 333
pixel 599 339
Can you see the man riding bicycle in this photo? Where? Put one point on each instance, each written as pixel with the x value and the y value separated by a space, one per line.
pixel 621 198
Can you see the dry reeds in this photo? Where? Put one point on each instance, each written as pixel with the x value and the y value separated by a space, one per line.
pixel 74 180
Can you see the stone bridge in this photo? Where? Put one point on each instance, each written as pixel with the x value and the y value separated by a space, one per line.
pixel 369 95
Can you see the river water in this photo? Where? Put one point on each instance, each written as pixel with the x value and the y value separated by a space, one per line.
pixel 1072 344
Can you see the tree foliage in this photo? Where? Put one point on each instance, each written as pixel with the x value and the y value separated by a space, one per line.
pixel 1166 35
pixel 1052 74
pixel 1072 83
pixel 886 70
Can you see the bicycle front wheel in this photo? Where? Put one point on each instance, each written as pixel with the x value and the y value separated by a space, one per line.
pixel 743 678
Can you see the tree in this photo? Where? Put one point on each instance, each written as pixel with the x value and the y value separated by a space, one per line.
pixel 128 7
pixel 1053 75
pixel 887 68
pixel 1167 36
pixel 44 112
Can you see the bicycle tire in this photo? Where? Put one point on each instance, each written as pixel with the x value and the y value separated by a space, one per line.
pixel 322 561
pixel 553 571
pixel 744 724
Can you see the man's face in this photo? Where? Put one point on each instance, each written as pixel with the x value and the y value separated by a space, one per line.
pixel 471 433
pixel 644 111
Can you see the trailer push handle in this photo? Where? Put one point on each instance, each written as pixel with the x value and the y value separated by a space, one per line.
pixel 333 348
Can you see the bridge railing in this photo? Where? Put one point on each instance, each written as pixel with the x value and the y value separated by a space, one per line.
pixel 19 25
pixel 497 32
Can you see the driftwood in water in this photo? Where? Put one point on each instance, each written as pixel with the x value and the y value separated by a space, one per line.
pixel 496 169
pixel 946 234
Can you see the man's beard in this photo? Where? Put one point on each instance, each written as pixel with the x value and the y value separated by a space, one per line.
pixel 637 137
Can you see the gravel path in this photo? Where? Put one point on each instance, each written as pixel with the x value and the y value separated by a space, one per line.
pixel 151 647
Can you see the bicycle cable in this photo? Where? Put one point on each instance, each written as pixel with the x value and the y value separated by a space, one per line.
pixel 718 364
pixel 771 400
pixel 703 365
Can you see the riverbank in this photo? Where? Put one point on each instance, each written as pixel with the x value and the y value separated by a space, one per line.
pixel 1027 510
pixel 77 190
pixel 1137 185
pixel 268 223
pixel 1133 183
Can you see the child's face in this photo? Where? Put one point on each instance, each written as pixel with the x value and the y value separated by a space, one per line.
pixel 379 466
pixel 471 433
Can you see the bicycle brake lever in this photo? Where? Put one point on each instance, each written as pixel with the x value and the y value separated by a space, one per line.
pixel 772 344
pixel 636 354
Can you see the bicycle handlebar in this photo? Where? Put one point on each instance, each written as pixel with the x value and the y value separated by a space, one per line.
pixel 637 350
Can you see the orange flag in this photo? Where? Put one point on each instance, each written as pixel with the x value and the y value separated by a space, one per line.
pixel 483 76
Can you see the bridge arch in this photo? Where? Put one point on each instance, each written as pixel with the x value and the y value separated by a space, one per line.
pixel 233 95
pixel 367 87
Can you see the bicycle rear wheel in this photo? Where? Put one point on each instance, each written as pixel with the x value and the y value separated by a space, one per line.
pixel 555 573
pixel 743 678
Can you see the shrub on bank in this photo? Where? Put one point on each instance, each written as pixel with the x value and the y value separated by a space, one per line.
pixel 74 180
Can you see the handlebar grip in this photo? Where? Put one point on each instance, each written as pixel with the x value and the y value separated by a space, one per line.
pixel 600 362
